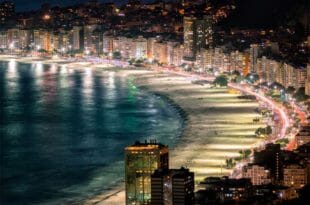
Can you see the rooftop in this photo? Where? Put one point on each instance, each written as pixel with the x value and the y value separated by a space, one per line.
pixel 146 145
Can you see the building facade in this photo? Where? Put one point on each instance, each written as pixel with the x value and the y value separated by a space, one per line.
pixel 141 160
pixel 295 175
pixel 258 174
pixel 172 187
pixel 307 84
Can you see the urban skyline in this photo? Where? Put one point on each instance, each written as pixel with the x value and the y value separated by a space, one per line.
pixel 155 102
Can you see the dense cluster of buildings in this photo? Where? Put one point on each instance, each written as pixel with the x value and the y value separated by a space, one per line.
pixel 196 51
pixel 181 34
pixel 275 175
pixel 191 38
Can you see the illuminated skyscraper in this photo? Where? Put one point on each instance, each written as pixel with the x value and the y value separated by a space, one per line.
pixel 141 160
pixel 203 32
pixel 198 34
pixel 189 37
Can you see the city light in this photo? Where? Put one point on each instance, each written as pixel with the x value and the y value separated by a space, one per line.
pixel 225 90
pixel 46 17
pixel 12 45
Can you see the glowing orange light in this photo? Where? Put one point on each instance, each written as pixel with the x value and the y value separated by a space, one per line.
pixel 46 17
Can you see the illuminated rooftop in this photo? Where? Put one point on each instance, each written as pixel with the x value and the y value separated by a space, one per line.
pixel 146 145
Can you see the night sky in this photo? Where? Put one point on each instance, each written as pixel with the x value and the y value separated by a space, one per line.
pixel 26 5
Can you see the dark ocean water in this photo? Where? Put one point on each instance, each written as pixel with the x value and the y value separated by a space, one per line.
pixel 63 131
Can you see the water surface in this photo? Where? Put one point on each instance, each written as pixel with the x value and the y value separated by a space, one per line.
pixel 63 130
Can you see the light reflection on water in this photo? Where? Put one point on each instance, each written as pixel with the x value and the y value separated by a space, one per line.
pixel 63 130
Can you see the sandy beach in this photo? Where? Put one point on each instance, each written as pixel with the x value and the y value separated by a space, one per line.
pixel 219 124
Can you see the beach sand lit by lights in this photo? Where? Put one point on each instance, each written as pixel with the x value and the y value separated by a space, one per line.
pixel 219 123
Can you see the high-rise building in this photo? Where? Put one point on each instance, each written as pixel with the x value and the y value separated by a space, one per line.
pixel 125 46
pixel 172 187
pixel 300 77
pixel 178 53
pixel 259 175
pixel 272 158
pixel 271 70
pixel 90 44
pixel 7 9
pixel 42 39
pixel 141 160
pixel 303 136
pixel 307 83
pixel 189 37
pixel 77 38
pixel 25 38
pixel 141 48
pixel 289 75
pixel 13 37
pixel 150 48
pixel 198 34
pixel 160 52
pixel 253 57
pixel 203 32
pixel 18 38
pixel 62 40
pixel 107 44
pixel 295 175
pixel 3 39
pixel 171 46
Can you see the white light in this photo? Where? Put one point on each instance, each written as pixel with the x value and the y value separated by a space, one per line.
pixel 12 45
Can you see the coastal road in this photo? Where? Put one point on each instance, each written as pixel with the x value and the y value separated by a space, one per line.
pixel 243 88
pixel 274 106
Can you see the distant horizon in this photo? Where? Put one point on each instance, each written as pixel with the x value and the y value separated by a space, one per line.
pixel 25 5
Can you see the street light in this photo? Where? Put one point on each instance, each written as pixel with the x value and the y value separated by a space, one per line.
pixel 63 49
pixel 70 49
pixel 11 47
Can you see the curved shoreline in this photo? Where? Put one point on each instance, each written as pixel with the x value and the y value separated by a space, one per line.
pixel 206 140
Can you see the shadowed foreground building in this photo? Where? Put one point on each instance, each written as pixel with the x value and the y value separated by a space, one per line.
pixel 172 187
pixel 141 160
pixel 272 158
